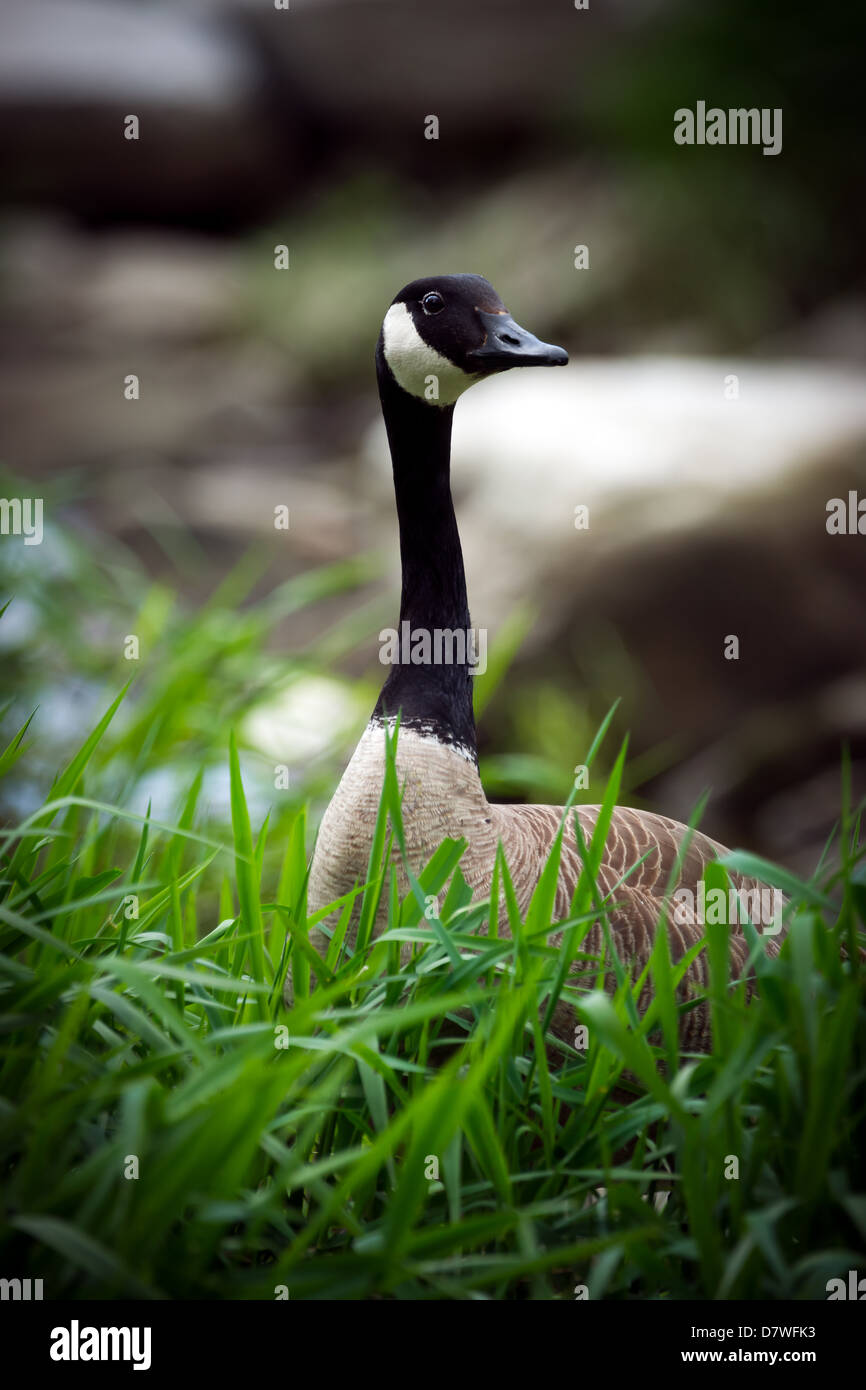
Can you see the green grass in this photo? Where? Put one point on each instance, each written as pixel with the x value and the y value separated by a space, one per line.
pixel 169 1130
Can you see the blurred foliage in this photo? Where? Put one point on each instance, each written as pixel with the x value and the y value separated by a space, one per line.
pixel 207 665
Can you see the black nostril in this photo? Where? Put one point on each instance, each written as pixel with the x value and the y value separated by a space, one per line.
pixel 510 339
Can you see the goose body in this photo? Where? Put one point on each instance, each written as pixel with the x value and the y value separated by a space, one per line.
pixel 440 336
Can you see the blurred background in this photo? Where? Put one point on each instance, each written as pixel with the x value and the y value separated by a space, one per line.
pixel 714 403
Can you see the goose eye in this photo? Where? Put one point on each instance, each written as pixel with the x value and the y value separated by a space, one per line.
pixel 432 303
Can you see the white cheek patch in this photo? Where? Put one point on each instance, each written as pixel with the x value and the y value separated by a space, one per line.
pixel 415 362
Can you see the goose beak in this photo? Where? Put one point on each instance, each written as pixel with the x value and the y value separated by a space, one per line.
pixel 508 345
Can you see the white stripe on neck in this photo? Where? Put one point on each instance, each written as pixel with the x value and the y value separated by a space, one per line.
pixel 414 362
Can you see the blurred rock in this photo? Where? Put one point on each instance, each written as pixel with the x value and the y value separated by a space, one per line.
pixel 651 446
pixel 375 69
pixel 72 70
pixel 242 105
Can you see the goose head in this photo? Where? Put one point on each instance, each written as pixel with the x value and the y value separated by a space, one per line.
pixel 445 332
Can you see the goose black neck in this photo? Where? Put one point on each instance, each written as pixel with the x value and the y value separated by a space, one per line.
pixel 432 693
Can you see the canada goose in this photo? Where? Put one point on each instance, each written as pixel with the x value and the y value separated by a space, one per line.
pixel 441 335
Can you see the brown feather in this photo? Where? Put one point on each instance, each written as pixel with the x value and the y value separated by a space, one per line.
pixel 443 797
